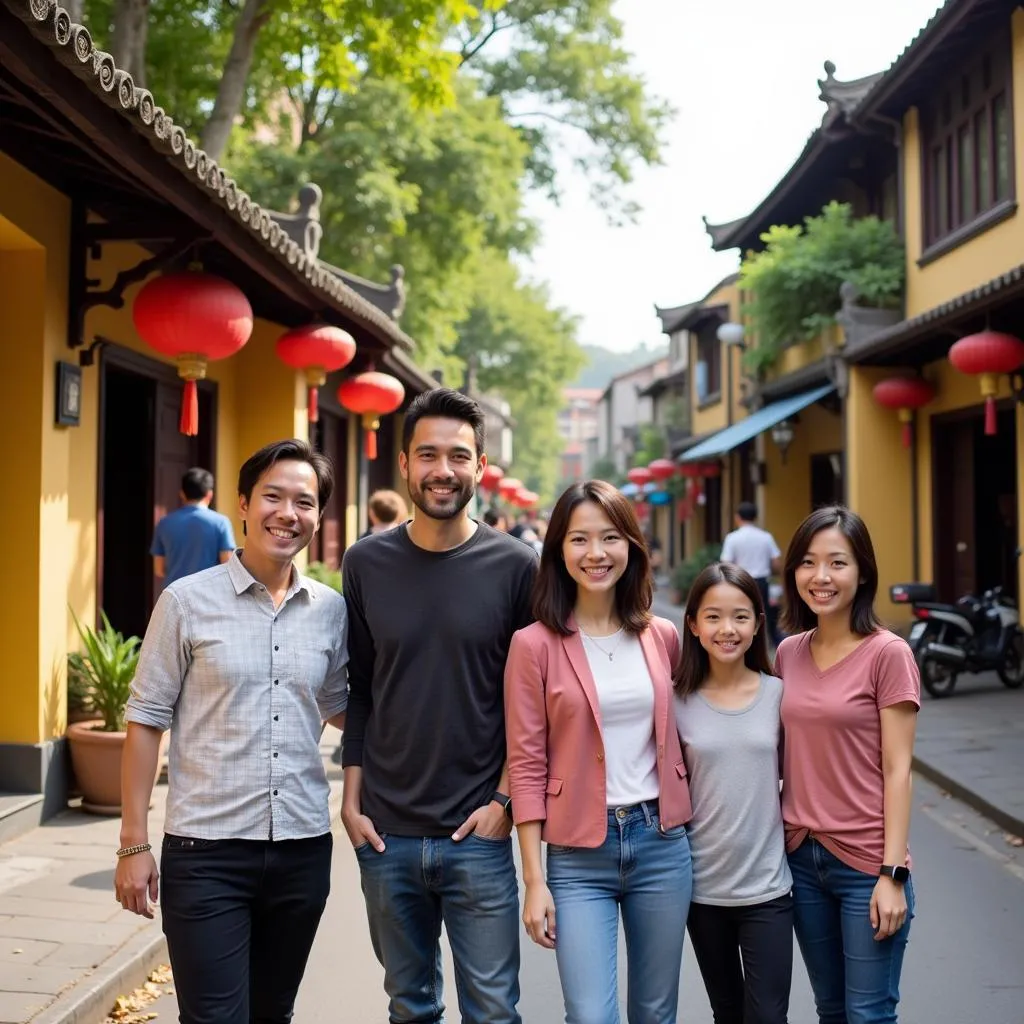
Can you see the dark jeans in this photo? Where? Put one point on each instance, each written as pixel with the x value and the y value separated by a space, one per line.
pixel 771 614
pixel 470 886
pixel 240 916
pixel 745 955
pixel 855 979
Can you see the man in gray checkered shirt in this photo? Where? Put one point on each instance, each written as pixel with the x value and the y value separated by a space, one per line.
pixel 242 662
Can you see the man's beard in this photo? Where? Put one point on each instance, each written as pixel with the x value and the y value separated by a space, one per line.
pixel 449 509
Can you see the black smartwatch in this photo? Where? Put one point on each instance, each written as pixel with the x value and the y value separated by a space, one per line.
pixel 506 803
pixel 898 874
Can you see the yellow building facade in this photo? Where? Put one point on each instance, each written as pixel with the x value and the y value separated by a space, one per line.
pixel 89 411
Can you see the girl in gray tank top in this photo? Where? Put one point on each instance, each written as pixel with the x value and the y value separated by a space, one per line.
pixel 727 711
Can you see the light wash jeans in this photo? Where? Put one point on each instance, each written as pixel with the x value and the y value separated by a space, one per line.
pixel 645 873
pixel 414 886
pixel 855 979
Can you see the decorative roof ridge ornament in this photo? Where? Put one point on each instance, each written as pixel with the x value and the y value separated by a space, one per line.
pixel 843 98
pixel 389 298
pixel 719 232
pixel 303 227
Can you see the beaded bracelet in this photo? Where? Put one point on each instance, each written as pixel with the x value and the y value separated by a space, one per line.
pixel 127 851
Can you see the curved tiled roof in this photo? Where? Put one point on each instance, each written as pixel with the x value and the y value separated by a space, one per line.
pixel 73 47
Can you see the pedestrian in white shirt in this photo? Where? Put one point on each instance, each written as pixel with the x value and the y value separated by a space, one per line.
pixel 755 550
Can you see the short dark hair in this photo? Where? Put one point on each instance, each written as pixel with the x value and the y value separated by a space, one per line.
pixel 694 661
pixel 747 511
pixel 387 506
pixel 196 483
pixel 796 616
pixel 554 591
pixel 444 403
pixel 491 516
pixel 293 450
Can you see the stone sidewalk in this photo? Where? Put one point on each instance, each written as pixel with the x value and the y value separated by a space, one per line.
pixel 67 949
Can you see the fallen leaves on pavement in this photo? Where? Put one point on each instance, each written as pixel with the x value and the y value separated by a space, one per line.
pixel 131 1009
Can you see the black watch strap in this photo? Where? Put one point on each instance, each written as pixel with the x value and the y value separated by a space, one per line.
pixel 898 873
pixel 506 802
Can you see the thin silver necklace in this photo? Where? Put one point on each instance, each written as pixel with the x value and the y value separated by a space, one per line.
pixel 610 655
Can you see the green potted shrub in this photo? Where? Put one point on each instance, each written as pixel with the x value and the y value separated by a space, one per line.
pixel 323 574
pixel 104 670
pixel 690 568
pixel 80 707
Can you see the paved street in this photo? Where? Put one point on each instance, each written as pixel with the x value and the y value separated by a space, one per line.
pixel 964 962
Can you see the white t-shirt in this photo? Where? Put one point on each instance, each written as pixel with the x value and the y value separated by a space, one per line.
pixel 751 548
pixel 625 696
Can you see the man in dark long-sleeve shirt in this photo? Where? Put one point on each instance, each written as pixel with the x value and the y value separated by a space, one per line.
pixel 432 608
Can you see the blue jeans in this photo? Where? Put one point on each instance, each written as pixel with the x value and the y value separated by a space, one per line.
pixel 646 873
pixel 855 979
pixel 470 886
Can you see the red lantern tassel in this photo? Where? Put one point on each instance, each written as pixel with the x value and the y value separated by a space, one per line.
pixel 371 444
pixel 313 407
pixel 990 416
pixel 188 424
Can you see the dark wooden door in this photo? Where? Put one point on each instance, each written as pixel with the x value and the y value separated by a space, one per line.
pixel 329 543
pixel 956 554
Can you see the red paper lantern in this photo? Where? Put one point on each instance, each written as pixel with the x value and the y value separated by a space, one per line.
pixel 318 349
pixel 509 487
pixel 662 469
pixel 904 394
pixel 371 395
pixel 192 317
pixel 527 499
pixel 988 354
pixel 709 469
pixel 490 477
pixel 691 470
pixel 640 475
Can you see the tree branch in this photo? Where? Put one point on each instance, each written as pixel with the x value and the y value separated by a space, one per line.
pixel 471 49
pixel 547 115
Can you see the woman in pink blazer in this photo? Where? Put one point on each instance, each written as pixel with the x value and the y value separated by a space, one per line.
pixel 595 765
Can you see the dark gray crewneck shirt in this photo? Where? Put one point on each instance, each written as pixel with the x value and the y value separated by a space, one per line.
pixel 428 637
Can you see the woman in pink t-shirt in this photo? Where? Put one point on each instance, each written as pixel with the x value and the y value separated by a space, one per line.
pixel 851 692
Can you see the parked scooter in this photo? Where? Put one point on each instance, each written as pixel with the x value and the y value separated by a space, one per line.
pixel 973 635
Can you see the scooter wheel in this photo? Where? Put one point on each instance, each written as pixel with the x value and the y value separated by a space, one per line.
pixel 938 679
pixel 1011 672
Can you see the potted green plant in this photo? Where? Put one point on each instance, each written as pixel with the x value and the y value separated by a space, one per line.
pixel 80 707
pixel 104 670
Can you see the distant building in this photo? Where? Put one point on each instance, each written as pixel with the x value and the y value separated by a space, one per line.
pixel 623 409
pixel 578 427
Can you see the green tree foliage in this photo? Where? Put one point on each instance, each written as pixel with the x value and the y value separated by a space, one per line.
pixel 564 78
pixel 524 349
pixel 793 283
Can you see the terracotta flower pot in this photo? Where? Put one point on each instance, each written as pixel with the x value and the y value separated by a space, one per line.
pixel 96 759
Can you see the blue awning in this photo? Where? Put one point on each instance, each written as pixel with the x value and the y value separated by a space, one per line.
pixel 757 423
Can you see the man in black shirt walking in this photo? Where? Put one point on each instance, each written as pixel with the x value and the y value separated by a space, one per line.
pixel 432 608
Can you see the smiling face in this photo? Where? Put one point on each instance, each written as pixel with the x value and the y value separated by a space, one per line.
pixel 282 513
pixel 725 623
pixel 827 577
pixel 442 466
pixel 595 552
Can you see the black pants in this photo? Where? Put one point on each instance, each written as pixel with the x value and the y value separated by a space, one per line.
pixel 745 955
pixel 771 614
pixel 240 917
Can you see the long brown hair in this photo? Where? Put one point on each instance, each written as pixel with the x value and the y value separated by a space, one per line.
pixel 796 616
pixel 554 591
pixel 694 661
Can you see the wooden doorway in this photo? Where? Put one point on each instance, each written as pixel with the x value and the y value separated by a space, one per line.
pixel 328 544
pixel 142 457
pixel 974 501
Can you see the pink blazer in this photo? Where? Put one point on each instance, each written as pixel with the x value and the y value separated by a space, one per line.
pixel 553 731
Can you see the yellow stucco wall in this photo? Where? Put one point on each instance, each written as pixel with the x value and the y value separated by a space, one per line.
pixel 717 415
pixel 54 561
pixel 785 500
pixel 989 254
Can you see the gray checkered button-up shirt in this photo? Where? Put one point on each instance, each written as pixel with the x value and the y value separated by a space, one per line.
pixel 243 688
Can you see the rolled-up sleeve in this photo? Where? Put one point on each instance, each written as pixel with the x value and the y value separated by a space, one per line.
pixel 163 665
pixel 526 732
pixel 332 699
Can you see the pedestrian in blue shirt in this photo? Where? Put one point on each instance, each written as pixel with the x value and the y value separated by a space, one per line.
pixel 193 537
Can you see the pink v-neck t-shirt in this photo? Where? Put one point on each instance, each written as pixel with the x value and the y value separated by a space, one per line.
pixel 832 757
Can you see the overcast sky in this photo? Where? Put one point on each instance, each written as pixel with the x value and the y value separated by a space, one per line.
pixel 743 77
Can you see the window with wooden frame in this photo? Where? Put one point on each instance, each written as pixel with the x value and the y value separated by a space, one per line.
pixel 709 356
pixel 968 143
